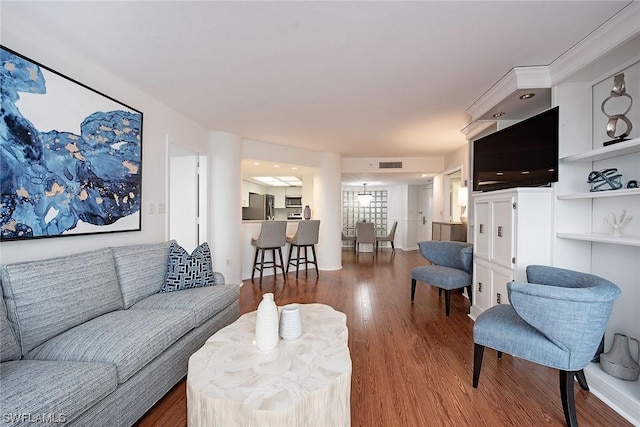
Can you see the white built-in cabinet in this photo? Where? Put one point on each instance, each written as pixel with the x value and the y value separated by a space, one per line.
pixel 278 196
pixel 581 80
pixel 512 229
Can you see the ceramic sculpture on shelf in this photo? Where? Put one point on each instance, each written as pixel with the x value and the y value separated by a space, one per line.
pixel 617 221
pixel 307 212
pixel 618 361
pixel 267 324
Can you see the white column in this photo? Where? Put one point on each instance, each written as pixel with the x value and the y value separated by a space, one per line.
pixel 327 198
pixel 225 208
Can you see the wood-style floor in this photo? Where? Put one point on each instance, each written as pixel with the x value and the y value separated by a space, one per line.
pixel 411 364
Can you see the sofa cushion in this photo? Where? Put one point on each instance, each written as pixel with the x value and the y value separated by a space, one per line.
pixel 45 298
pixel 129 339
pixel 204 303
pixel 9 348
pixel 186 271
pixel 51 392
pixel 141 270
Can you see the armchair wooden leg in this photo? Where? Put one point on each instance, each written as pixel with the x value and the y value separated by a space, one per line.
pixel 413 289
pixel 582 380
pixel 478 351
pixel 469 294
pixel 568 398
pixel 447 301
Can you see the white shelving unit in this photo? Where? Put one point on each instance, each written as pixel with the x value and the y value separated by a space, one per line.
pixel 601 194
pixel 605 153
pixel 582 241
pixel 620 149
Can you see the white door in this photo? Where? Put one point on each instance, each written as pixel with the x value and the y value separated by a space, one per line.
pixel 426 213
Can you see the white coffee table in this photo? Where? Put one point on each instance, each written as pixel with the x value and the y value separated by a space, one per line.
pixel 302 382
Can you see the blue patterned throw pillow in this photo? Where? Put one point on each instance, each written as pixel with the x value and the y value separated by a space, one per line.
pixel 186 271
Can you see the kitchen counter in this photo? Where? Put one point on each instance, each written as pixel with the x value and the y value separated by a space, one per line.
pixel 250 229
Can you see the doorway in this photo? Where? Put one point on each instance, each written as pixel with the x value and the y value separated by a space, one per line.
pixel 186 197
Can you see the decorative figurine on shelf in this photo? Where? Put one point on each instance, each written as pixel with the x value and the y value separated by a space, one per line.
pixel 617 221
pixel 618 361
pixel 618 90
pixel 307 212
pixel 605 177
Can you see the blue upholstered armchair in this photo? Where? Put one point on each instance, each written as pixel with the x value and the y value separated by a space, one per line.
pixel 556 320
pixel 451 268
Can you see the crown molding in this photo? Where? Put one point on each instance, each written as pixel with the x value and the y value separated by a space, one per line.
pixel 620 28
pixel 516 78
pixel 474 128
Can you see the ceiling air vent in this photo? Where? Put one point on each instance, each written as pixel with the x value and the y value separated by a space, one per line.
pixel 390 165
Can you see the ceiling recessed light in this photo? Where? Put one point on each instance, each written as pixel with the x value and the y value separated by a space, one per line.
pixel 256 163
pixel 424 175
pixel 525 172
pixel 276 166
pixel 527 96
pixel 499 173
pixel 500 114
pixel 294 168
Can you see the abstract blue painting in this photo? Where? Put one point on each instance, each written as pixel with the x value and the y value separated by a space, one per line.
pixel 70 157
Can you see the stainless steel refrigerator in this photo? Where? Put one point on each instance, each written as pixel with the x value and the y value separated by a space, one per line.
pixel 261 207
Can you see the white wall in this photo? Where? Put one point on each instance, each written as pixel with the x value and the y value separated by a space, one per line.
pixel 159 121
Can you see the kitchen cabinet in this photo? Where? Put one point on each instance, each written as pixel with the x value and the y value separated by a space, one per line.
pixel 449 231
pixel 293 191
pixel 512 229
pixel 279 194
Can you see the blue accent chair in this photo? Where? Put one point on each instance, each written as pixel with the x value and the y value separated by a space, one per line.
pixel 451 268
pixel 557 320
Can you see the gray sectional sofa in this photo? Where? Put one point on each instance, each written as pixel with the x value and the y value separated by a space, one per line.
pixel 88 340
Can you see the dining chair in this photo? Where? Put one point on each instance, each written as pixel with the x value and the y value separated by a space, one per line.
pixel 349 238
pixel 388 238
pixel 451 268
pixel 273 236
pixel 306 237
pixel 365 233
pixel 557 320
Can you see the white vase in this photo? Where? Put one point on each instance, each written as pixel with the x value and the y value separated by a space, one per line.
pixel 267 323
pixel 290 322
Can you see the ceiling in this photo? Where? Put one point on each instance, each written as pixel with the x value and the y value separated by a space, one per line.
pixel 362 78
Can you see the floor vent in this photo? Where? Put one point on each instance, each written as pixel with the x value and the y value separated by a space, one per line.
pixel 390 165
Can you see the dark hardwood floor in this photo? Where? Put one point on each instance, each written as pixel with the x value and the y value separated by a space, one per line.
pixel 411 364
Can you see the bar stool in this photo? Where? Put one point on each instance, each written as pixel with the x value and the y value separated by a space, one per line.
pixel 273 235
pixel 306 236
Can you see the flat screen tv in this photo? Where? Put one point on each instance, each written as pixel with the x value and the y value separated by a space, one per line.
pixel 522 155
